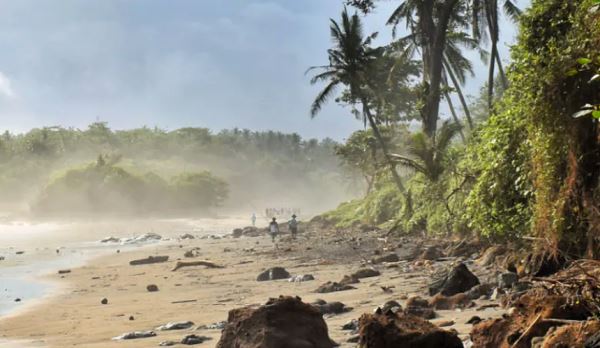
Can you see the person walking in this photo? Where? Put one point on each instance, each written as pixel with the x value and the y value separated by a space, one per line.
pixel 273 229
pixel 293 225
pixel 253 219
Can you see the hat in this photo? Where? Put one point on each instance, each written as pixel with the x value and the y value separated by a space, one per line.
pixel 274 218
pixel 293 215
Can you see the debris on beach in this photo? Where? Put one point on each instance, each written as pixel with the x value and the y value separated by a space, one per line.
pixel 274 273
pixel 301 278
pixel 458 279
pixel 64 271
pixel 333 287
pixel 282 322
pixel 398 330
pixel 135 335
pixel 152 288
pixel 149 260
pixel 177 325
pixel 207 264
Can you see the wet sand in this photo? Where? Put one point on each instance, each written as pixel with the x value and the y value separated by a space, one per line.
pixel 74 316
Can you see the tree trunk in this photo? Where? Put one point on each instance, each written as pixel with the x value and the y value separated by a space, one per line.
pixel 501 70
pixel 384 148
pixel 454 116
pixel 461 96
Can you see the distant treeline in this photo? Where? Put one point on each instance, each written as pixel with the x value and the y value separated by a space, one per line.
pixel 256 166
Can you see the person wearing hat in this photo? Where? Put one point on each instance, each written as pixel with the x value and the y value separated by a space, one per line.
pixel 273 229
pixel 293 225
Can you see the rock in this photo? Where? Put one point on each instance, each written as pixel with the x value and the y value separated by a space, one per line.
pixel 391 306
pixel 20 252
pixel 417 301
pixel 521 286
pixel 353 339
pixel 445 323
pixel 195 252
pixel 301 278
pixel 432 253
pixel 365 273
pixel 152 288
pixel 149 260
pixel 146 237
pixel 474 320
pixel 349 280
pixel 352 325
pixel 480 291
pixel 177 325
pixel 207 264
pixel 248 231
pixel 17 299
pixel 186 236
pixel 237 233
pixel 110 239
pixel 167 343
pixel 104 301
pixel 397 330
pixel 2 258
pixel 458 280
pixel 421 312
pixel 135 335
pixel 283 322
pixel 386 258
pixel 64 271
pixel 490 254
pixel 506 280
pixel 441 302
pixel 274 273
pixel 332 287
pixel 331 307
pixel 131 317
pixel 194 339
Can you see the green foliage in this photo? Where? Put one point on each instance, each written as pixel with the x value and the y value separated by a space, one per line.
pixel 103 188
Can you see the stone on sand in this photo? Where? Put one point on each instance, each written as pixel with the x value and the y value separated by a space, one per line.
pixel 274 273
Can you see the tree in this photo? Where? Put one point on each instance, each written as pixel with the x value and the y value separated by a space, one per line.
pixel 351 60
pixel 486 11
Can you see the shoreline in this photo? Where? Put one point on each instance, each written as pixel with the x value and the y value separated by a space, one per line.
pixel 204 295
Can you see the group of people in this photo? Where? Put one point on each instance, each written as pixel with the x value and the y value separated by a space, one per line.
pixel 274 226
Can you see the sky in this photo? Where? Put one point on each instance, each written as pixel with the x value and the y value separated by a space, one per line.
pixel 175 63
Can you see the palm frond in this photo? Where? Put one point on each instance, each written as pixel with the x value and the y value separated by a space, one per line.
pixel 322 97
pixel 512 11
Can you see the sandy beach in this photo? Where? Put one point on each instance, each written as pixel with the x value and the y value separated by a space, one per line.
pixel 71 313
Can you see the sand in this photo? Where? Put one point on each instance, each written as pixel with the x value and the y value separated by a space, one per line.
pixel 72 315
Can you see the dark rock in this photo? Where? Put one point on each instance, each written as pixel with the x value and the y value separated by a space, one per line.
pixel 352 325
pixel 283 322
pixel 274 273
pixel 349 280
pixel 64 271
pixel 17 299
pixel 432 253
pixel 331 307
pixel 480 291
pixel 506 280
pixel 474 320
pixel 365 273
pixel 353 339
pixel 131 317
pixel 386 258
pixel 397 330
pixel 521 286
pixel 186 236
pixel 194 339
pixel 458 280
pixel 391 306
pixel 152 288
pixel 104 301
pixel 421 312
pixel 332 287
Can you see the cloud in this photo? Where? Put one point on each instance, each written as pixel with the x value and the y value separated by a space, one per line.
pixel 6 89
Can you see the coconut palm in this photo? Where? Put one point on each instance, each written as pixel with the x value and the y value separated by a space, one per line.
pixel 350 62
pixel 485 15
pixel 427 155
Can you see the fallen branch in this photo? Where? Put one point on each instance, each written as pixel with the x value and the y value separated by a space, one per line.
pixel 526 332
pixel 208 264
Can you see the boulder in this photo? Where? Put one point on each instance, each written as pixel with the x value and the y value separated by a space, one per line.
pixel 458 280
pixel 152 288
pixel 194 339
pixel 397 330
pixel 480 290
pixel 274 273
pixel 391 306
pixel 283 322
pixel 331 307
pixel 506 280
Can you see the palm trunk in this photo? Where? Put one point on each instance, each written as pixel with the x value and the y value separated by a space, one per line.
pixel 491 13
pixel 384 148
pixel 454 116
pixel 461 96
pixel 501 70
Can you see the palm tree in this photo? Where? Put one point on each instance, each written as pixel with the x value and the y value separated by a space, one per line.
pixel 486 11
pixel 350 62
pixel 430 22
pixel 427 155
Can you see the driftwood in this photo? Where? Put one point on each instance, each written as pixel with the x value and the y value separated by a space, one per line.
pixel 208 264
pixel 149 260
